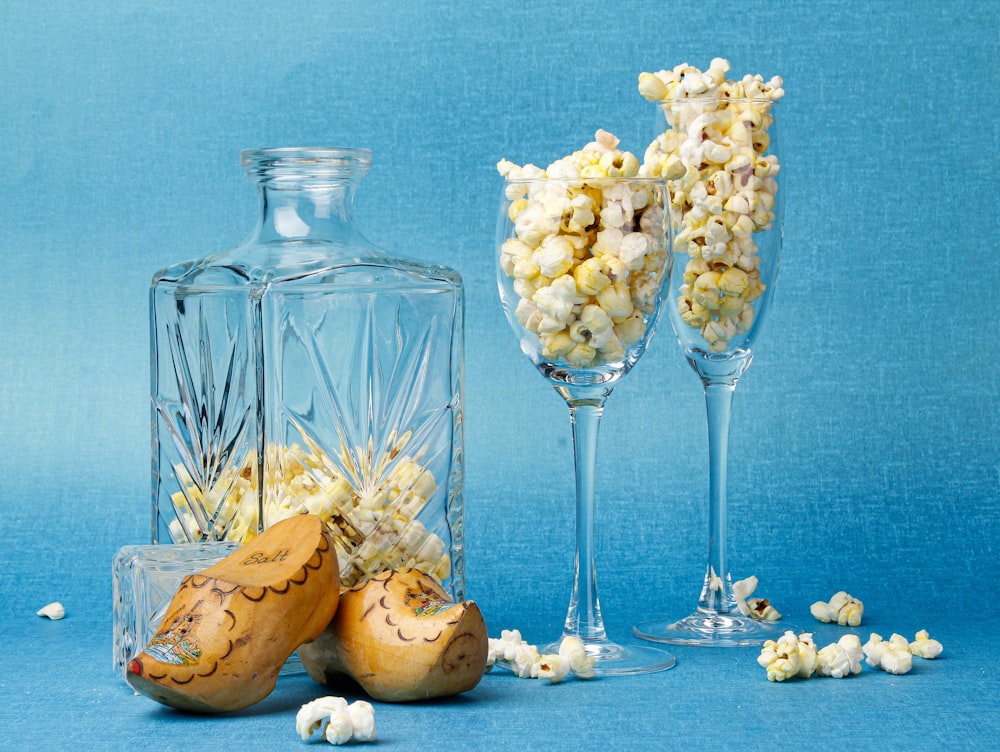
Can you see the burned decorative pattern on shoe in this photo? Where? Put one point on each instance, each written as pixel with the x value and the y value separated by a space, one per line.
pixel 425 601
pixel 173 643
pixel 401 638
pixel 230 628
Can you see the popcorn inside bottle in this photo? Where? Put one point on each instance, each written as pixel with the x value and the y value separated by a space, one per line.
pixel 371 507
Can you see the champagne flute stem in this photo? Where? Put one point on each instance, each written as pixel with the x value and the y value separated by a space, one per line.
pixel 719 379
pixel 717 594
pixel 584 617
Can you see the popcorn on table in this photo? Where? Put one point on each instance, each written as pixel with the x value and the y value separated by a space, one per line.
pixel 376 524
pixel 524 661
pixel 723 186
pixel 844 609
pixel 54 611
pixel 757 608
pixel 924 647
pixel 796 656
pixel 892 655
pixel 789 656
pixel 841 658
pixel 338 721
pixel 580 663
pixel 586 258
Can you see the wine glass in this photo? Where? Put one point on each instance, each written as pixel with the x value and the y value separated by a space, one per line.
pixel 582 268
pixel 727 216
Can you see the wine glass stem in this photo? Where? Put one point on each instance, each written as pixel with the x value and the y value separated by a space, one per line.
pixel 717 593
pixel 584 616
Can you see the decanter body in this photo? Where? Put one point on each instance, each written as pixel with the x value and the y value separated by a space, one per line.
pixel 306 371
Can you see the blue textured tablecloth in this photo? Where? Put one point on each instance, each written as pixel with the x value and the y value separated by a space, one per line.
pixel 60 692
pixel 864 438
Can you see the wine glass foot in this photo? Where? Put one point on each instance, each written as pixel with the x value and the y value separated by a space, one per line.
pixel 613 659
pixel 709 628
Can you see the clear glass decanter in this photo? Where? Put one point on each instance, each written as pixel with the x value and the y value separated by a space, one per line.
pixel 305 370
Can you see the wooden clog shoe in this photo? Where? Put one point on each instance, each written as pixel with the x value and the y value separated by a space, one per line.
pixel 401 638
pixel 230 628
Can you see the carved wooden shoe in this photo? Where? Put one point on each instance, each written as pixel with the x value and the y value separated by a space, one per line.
pixel 401 638
pixel 230 628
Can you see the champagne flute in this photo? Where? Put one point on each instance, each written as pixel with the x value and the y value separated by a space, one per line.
pixel 727 214
pixel 582 270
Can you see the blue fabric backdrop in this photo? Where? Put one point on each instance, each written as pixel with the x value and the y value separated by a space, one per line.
pixel 864 438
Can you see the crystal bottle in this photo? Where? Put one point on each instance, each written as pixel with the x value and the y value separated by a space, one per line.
pixel 306 370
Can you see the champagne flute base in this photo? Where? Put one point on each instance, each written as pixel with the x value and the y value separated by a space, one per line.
pixel 613 659
pixel 711 629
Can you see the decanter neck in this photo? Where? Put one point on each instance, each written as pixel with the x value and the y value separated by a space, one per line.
pixel 307 193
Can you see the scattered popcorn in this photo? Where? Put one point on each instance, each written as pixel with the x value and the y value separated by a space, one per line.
pixel 52 611
pixel 587 257
pixel 796 656
pixel 524 661
pixel 501 649
pixel 783 657
pixel 844 609
pixel 580 662
pixel 337 721
pixel 363 719
pixel 780 657
pixel 841 658
pixel 369 499
pixel 722 188
pixel 807 655
pixel 924 647
pixel 787 657
pixel 311 716
pixel 761 608
pixel 340 728
pixel 892 655
pixel 757 608
pixel 553 667
pixel 742 589
pixel 895 661
pixel 511 651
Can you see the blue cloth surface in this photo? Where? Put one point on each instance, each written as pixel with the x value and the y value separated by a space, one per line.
pixel 864 445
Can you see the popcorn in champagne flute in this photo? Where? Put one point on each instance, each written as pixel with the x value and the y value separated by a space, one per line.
pixel 722 188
